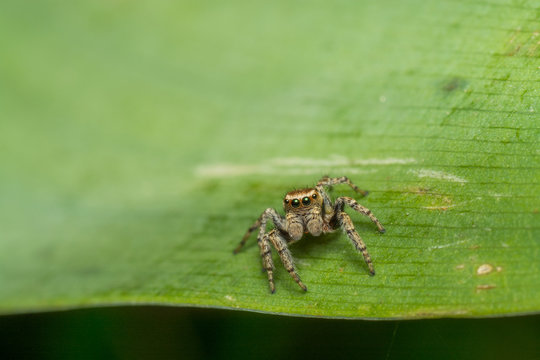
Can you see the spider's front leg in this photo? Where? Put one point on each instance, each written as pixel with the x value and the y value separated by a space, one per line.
pixel 348 226
pixel 340 204
pixel 328 181
pixel 280 243
pixel 260 223
pixel 268 264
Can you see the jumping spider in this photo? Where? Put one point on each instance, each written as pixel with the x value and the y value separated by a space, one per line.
pixel 307 211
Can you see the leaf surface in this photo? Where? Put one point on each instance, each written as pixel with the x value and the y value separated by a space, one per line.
pixel 141 140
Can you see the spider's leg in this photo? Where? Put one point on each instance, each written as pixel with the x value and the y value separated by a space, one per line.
pixel 269 213
pixel 326 198
pixel 280 244
pixel 341 201
pixel 348 227
pixel 328 181
pixel 247 234
pixel 266 255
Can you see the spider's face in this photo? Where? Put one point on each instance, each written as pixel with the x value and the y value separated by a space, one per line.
pixel 302 201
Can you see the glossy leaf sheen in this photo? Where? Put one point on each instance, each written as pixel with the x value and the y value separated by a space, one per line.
pixel 141 139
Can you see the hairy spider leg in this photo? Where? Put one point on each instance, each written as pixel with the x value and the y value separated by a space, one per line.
pixel 268 264
pixel 246 235
pixel 341 201
pixel 260 223
pixel 280 243
pixel 328 181
pixel 348 226
pixel 328 211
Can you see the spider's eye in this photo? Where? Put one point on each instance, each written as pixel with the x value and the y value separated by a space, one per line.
pixel 314 196
pixel 295 203
pixel 306 201
pixel 286 201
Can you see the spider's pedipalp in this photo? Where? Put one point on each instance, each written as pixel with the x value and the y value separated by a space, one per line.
pixel 348 226
pixel 294 227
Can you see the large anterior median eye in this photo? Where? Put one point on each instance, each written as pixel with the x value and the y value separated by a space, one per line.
pixel 306 201
pixel 295 203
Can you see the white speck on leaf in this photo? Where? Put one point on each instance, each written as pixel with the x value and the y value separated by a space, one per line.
pixel 299 166
pixel 484 269
pixel 438 175
pixel 442 246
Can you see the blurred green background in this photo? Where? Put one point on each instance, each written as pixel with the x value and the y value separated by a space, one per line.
pixel 140 139
pixel 177 333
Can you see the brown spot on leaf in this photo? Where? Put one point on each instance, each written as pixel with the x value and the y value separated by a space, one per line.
pixel 455 83
pixel 482 287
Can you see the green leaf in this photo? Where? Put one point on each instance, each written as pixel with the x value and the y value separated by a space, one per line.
pixel 141 139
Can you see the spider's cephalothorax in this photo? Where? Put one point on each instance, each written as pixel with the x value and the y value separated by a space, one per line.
pixel 307 211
